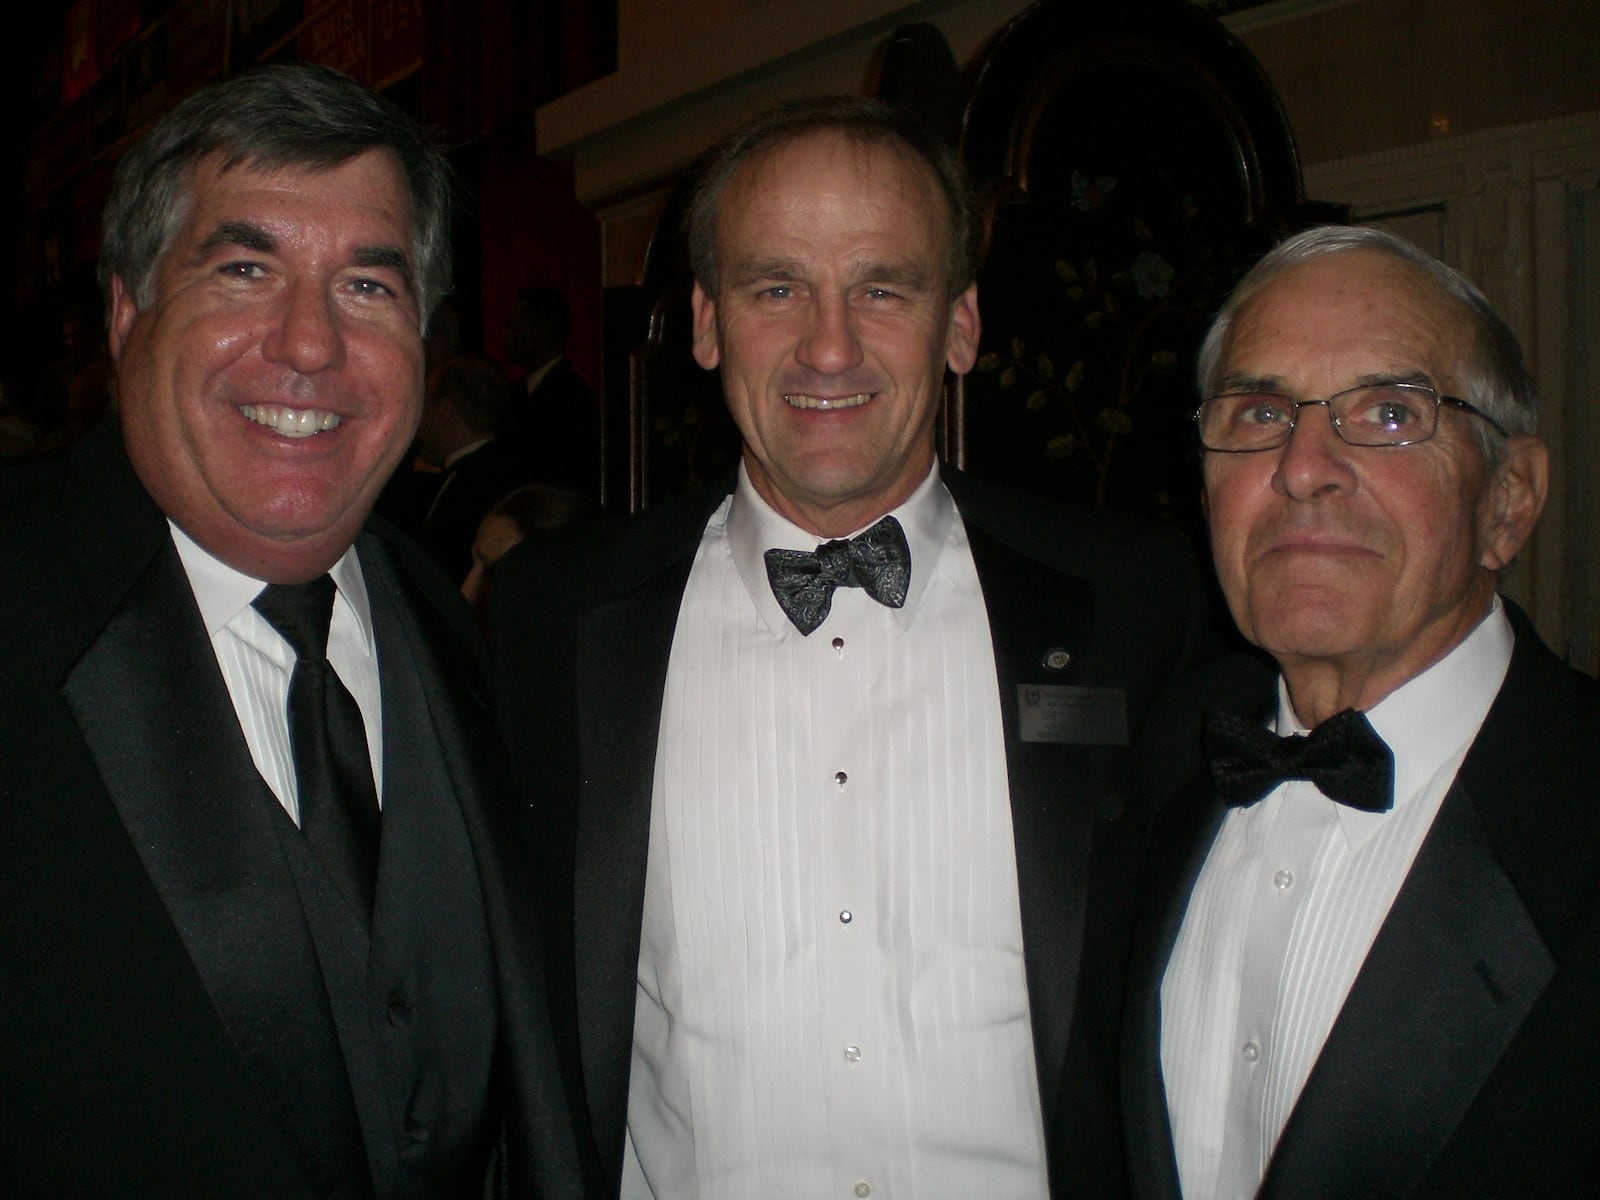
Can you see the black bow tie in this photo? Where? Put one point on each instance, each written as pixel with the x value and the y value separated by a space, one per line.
pixel 877 561
pixel 1343 756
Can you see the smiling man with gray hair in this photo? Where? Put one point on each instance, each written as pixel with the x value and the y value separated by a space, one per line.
pixel 261 933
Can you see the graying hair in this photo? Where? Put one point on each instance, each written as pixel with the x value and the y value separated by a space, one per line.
pixel 1494 378
pixel 271 117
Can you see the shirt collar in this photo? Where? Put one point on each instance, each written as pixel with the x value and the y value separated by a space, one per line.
pixel 753 528
pixel 1432 718
pixel 457 455
pixel 536 376
pixel 223 593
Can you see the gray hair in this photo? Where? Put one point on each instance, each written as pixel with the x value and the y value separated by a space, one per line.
pixel 1494 377
pixel 271 117
pixel 865 121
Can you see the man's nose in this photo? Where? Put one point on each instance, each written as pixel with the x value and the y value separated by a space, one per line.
pixel 831 345
pixel 306 335
pixel 1315 461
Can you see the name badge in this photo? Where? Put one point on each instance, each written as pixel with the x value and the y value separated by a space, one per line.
pixel 1073 716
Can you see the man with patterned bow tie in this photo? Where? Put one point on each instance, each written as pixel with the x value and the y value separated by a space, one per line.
pixel 263 935
pixel 1371 949
pixel 830 780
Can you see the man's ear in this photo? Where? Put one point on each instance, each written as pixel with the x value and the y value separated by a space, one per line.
pixel 1516 496
pixel 123 312
pixel 961 351
pixel 706 350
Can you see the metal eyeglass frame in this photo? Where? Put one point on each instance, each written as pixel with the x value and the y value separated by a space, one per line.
pixel 1333 420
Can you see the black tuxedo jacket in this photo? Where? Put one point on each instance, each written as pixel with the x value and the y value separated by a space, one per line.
pixel 470 487
pixel 1466 1059
pixel 121 760
pixel 557 426
pixel 584 627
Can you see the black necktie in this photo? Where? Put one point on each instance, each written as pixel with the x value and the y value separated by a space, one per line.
pixel 1343 756
pixel 877 561
pixel 338 800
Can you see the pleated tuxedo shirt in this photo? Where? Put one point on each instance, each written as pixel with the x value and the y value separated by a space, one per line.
pixel 831 998
pixel 1289 901
pixel 257 662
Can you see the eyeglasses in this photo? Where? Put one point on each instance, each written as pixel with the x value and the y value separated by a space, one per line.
pixel 1388 414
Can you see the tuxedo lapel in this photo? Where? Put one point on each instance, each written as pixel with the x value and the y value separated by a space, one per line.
pixel 1056 790
pixel 1460 960
pixel 456 705
pixel 1176 858
pixel 1454 971
pixel 152 706
pixel 450 710
pixel 623 649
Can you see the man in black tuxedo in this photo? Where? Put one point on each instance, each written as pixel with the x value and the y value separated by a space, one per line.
pixel 554 416
pixel 460 433
pixel 261 935
pixel 1371 963
pixel 837 883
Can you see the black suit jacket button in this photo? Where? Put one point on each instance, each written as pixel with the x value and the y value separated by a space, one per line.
pixel 399 1008
pixel 1110 806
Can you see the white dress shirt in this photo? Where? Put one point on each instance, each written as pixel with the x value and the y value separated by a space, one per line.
pixel 257 662
pixel 831 996
pixel 1291 896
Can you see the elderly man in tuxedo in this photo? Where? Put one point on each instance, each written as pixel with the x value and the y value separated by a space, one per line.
pixel 836 840
pixel 260 937
pixel 1371 966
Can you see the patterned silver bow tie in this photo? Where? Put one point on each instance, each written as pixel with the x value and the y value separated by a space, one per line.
pixel 877 561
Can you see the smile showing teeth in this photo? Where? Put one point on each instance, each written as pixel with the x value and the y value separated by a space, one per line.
pixel 827 402
pixel 290 422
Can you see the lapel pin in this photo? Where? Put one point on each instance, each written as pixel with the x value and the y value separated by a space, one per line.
pixel 1055 659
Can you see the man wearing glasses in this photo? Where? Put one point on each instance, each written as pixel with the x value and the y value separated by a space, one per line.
pixel 1371 962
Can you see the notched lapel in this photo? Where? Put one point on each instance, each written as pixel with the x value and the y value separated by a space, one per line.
pixel 1451 977
pixel 1058 792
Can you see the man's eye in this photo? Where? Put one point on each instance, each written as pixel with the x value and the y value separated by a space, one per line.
pixel 1263 410
pixel 777 291
pixel 1390 413
pixel 243 270
pixel 371 287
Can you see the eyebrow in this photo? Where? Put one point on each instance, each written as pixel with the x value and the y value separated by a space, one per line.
pixel 247 235
pixel 752 270
pixel 908 275
pixel 749 270
pixel 390 258
pixel 1239 381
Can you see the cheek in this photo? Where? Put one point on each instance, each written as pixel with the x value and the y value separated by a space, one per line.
pixel 1224 498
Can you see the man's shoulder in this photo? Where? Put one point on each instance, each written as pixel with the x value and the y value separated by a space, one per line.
pixel 33 497
pixel 427 582
pixel 1530 775
pixel 75 528
pixel 1070 537
pixel 590 561
pixel 1547 714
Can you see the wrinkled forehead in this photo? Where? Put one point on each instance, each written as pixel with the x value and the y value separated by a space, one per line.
pixel 1350 315
pixel 876 162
